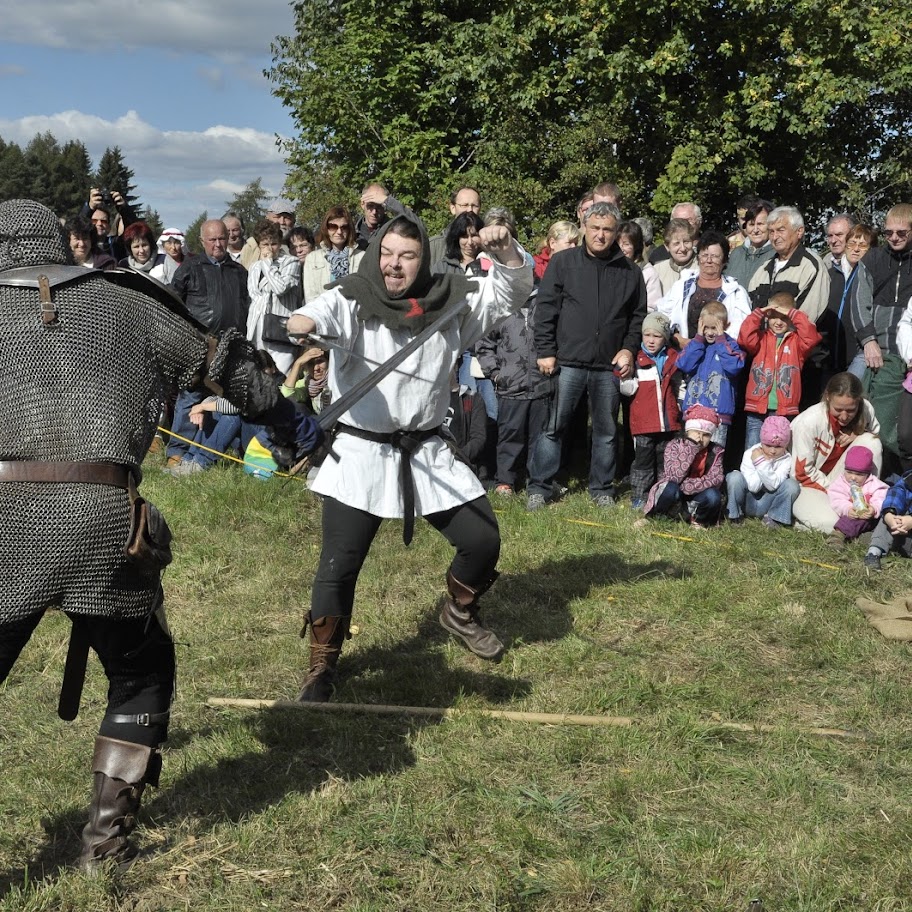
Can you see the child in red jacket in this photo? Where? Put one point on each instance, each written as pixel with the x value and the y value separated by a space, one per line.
pixel 654 414
pixel 779 338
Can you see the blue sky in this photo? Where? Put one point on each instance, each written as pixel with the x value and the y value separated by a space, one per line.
pixel 177 85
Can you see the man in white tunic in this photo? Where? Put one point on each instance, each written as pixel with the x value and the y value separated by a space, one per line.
pixel 388 459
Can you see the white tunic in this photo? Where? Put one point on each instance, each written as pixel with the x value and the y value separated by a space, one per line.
pixel 413 397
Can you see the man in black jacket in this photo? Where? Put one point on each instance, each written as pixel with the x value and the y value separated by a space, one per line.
pixel 884 292
pixel 214 289
pixel 591 304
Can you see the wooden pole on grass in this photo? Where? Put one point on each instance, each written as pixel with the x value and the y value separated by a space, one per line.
pixel 435 712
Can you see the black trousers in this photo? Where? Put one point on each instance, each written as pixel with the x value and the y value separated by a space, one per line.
pixel 519 423
pixel 138 659
pixel 648 462
pixel 348 534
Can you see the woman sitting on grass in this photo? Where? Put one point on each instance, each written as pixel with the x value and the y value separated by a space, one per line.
pixel 821 438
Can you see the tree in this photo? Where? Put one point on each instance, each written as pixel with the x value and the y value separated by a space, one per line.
pixel 806 102
pixel 59 176
pixel 40 155
pixel 55 176
pixel 248 204
pixel 14 182
pixel 322 188
pixel 192 235
pixel 113 174
pixel 154 220
pixel 74 177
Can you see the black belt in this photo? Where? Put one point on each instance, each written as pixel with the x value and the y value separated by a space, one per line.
pixel 407 442
pixel 145 719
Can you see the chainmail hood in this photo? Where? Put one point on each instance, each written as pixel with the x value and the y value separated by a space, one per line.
pixel 30 235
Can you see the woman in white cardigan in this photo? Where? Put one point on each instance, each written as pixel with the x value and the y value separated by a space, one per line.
pixel 822 435
pixel 702 285
pixel 337 254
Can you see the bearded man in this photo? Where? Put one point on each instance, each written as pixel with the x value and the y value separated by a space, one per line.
pixel 388 458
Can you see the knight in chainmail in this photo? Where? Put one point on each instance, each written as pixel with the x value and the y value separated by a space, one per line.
pixel 85 360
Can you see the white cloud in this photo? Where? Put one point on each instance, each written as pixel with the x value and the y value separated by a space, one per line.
pixel 180 173
pixel 11 69
pixel 226 188
pixel 175 25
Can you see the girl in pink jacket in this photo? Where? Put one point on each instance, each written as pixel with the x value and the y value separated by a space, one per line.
pixel 856 496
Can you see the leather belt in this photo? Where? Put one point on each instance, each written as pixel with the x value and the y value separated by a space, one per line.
pixel 145 719
pixel 106 473
pixel 407 442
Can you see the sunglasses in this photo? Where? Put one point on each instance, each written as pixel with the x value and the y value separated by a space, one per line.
pixel 337 226
pixel 902 233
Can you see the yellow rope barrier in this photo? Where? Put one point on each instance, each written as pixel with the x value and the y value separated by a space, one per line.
pixel 199 446
pixel 685 538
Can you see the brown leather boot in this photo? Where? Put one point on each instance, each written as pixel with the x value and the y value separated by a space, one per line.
pixel 327 634
pixel 122 770
pixel 459 615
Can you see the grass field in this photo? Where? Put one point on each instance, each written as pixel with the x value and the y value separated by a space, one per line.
pixel 293 810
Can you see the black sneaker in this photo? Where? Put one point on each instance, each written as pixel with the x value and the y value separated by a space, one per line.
pixel 872 561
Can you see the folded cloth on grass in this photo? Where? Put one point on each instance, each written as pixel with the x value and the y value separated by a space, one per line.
pixel 893 620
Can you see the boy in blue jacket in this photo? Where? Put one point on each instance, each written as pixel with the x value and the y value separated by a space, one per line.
pixel 711 362
pixel 892 532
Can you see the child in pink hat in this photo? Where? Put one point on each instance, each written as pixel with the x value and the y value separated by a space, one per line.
pixel 856 496
pixel 690 486
pixel 764 485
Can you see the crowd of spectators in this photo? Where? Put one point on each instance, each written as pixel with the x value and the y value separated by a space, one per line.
pixel 757 377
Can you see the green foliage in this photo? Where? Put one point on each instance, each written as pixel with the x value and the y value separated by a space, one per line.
pixel 60 176
pixel 54 175
pixel 113 174
pixel 248 204
pixel 70 178
pixel 13 174
pixel 318 189
pixel 153 219
pixel 192 234
pixel 805 102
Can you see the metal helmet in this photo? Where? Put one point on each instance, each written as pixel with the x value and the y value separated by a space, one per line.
pixel 30 235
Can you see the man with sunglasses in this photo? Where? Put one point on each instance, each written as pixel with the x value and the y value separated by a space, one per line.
pixel 888 277
pixel 884 292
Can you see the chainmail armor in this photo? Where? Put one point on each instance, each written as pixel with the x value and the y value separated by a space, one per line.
pixel 31 235
pixel 234 368
pixel 89 387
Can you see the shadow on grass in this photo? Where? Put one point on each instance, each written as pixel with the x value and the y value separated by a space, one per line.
pixel 523 608
pixel 59 852
pixel 301 751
